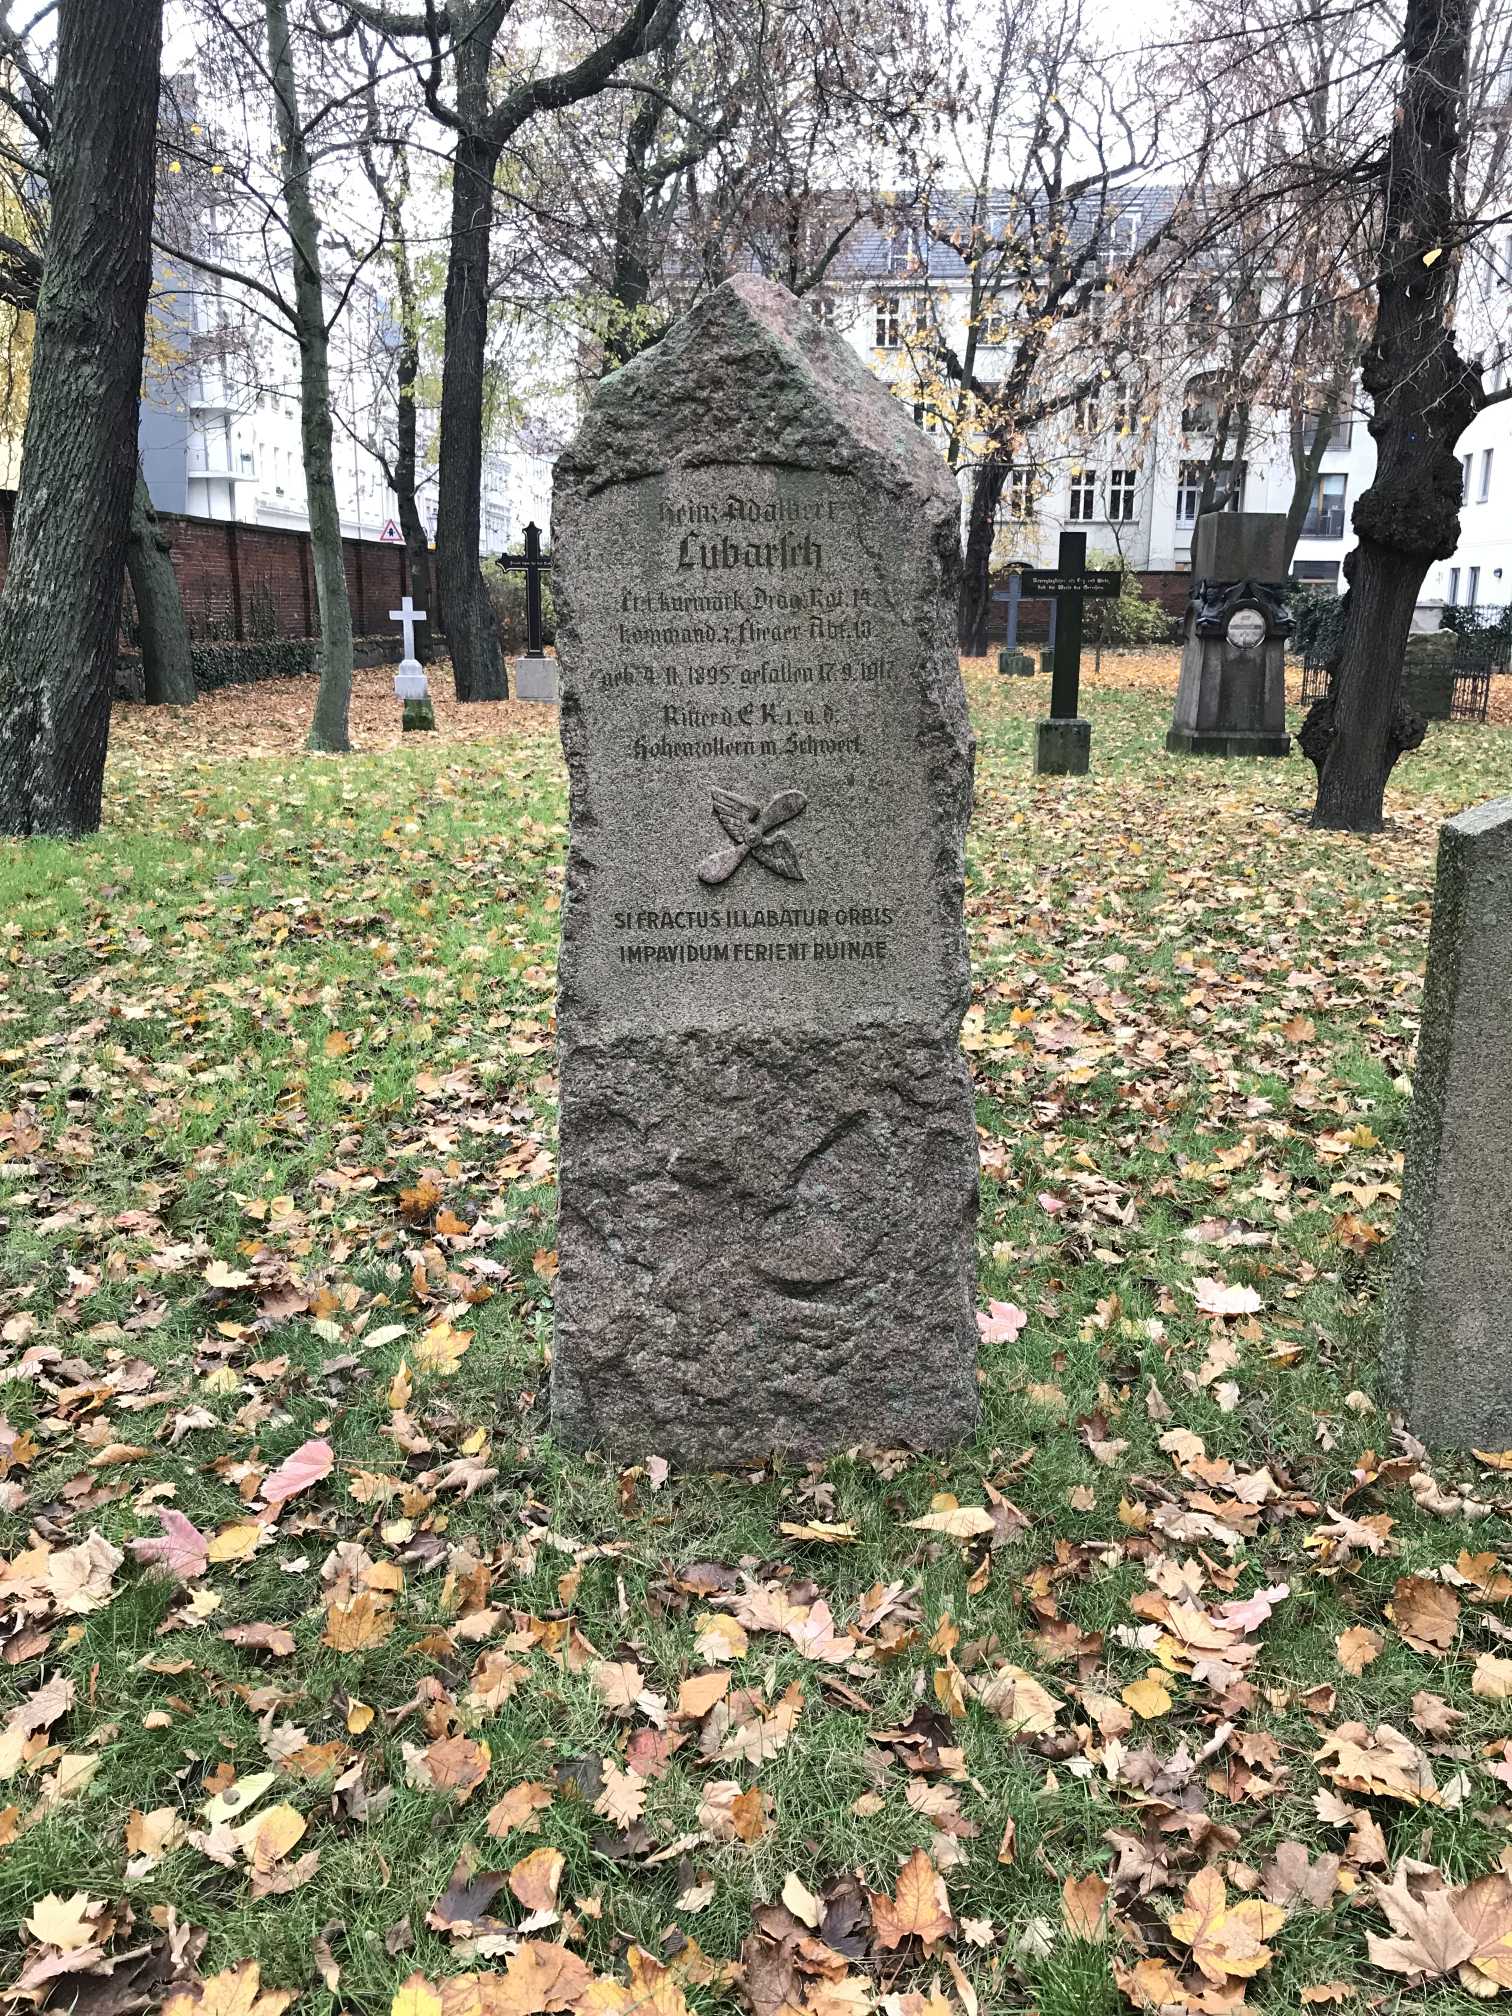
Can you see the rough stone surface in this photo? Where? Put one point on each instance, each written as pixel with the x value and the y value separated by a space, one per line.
pixel 1062 748
pixel 768 1149
pixel 1448 1332
pixel 535 679
pixel 1231 697
pixel 1240 546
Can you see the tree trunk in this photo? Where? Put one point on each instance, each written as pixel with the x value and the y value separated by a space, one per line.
pixel 1423 396
pixel 630 281
pixel 60 609
pixel 472 634
pixel 167 661
pixel 411 524
pixel 328 729
pixel 976 581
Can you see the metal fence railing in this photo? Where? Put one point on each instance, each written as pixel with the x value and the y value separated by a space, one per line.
pixel 1454 687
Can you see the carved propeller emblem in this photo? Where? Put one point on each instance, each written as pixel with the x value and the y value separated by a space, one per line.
pixel 751 826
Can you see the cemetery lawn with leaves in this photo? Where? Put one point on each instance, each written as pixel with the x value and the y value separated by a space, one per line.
pixel 1184 1687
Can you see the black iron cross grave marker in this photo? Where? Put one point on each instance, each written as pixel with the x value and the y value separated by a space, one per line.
pixel 1062 745
pixel 534 567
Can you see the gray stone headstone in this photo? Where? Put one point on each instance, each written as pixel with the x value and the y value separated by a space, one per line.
pixel 1448 1331
pixel 1231 698
pixel 1240 546
pixel 768 1148
pixel 536 679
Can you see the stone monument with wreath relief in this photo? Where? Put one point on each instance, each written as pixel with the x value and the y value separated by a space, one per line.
pixel 1232 697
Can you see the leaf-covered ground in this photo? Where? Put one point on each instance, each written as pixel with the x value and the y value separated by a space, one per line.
pixel 329 1681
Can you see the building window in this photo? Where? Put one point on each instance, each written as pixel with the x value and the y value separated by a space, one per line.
pixel 822 308
pixel 1083 495
pixel 1121 496
pixel 992 330
pixel 1199 407
pixel 1202 309
pixel 1322 572
pixel 1188 492
pixel 889 322
pixel 1325 509
pixel 907 249
pixel 1485 482
pixel 1123 237
pixel 1087 415
pixel 1454 574
pixel 1125 405
pixel 1021 495
pixel 1472 587
pixel 1339 435
pixel 1465 462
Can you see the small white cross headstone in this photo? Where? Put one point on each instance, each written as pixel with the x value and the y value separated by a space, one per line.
pixel 409 681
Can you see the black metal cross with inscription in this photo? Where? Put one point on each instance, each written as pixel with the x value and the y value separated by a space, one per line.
pixel 1069 583
pixel 534 567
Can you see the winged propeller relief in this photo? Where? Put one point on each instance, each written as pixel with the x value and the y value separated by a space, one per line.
pixel 751 827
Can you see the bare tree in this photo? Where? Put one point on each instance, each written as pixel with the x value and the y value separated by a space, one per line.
pixel 59 609
pixel 266 236
pixel 1040 152
pixel 1423 394
pixel 463 42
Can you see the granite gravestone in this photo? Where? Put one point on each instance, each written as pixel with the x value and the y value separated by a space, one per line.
pixel 768 1148
pixel 1448 1334
pixel 1231 700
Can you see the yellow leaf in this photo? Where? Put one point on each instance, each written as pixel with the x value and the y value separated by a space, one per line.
pixel 1225 1942
pixel 268 1837
pixel 359 1716
pixel 801 1901
pixel 235 1991
pixel 415 1997
pixel 1148 1697
pixel 1021 1701
pixel 359 1625
pixel 235 1543
pixel 238 1799
pixel 721 1637
pixel 68 1923
pixel 1357 1647
pixel 401 1386
pixel 441 1349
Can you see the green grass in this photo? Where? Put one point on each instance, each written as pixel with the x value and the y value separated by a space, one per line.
pixel 276 994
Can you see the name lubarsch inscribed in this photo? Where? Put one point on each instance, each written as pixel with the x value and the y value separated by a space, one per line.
pixel 767 1148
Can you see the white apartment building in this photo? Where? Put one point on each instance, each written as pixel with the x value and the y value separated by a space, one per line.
pixel 220 421
pixel 1126 464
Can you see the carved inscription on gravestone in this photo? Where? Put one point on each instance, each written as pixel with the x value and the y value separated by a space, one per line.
pixel 768 1153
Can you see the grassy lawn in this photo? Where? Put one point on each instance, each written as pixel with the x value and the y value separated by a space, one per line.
pixel 276 1169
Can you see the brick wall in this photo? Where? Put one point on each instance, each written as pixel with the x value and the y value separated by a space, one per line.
pixel 254 583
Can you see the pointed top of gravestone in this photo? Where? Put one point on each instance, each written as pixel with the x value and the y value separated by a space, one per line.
pixel 749 375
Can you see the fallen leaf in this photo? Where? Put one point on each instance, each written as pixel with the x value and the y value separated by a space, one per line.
pixel 310 1462
pixel 920 1909
pixel 1084 1908
pixel 536 1878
